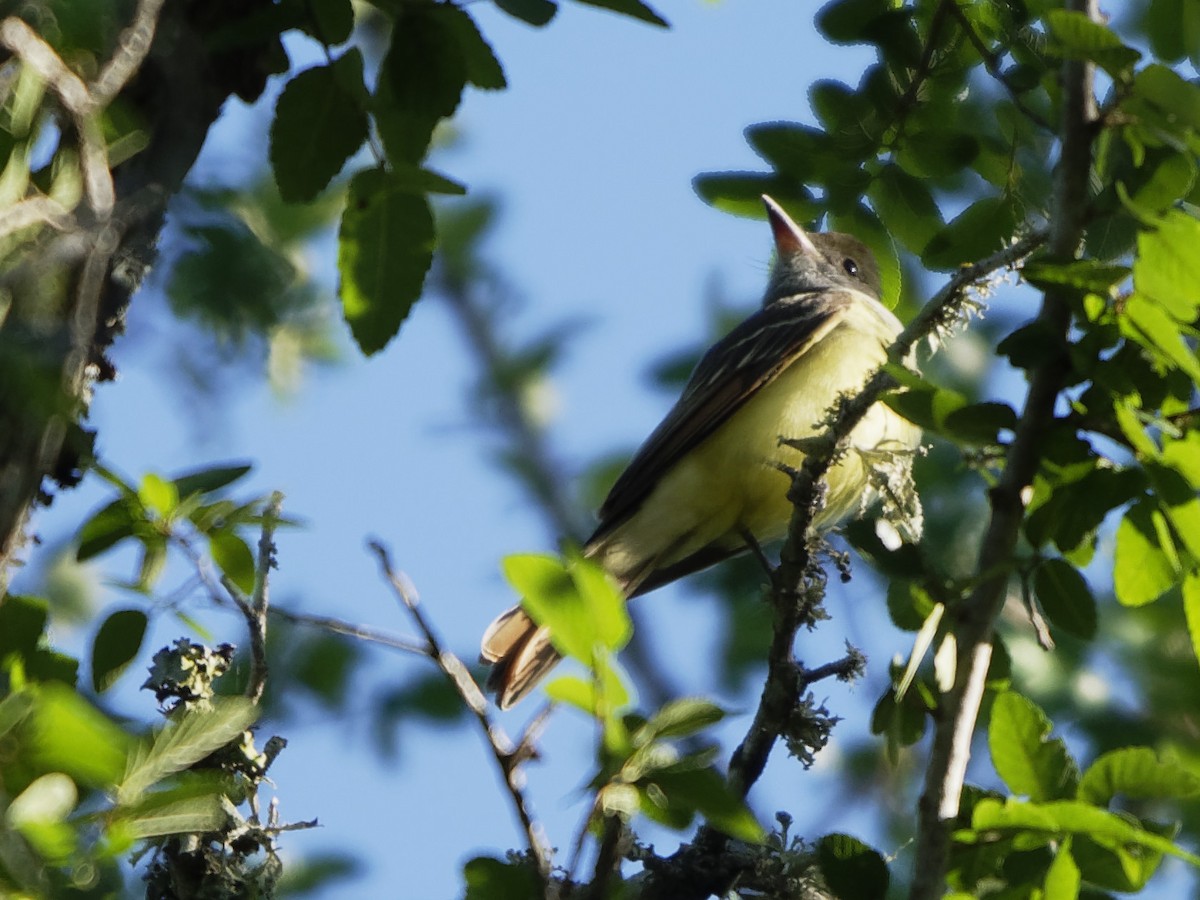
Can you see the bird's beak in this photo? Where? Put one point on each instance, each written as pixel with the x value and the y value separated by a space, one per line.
pixel 789 237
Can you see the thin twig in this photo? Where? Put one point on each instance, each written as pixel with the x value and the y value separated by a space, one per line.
pixel 132 48
pixel 368 635
pixel 507 758
pixel 255 610
pixel 959 709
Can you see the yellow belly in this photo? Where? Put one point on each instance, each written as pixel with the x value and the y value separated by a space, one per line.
pixel 732 482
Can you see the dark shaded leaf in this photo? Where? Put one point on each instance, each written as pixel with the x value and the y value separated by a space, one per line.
pixel 106 527
pixel 1078 37
pixel 488 878
pixel 532 12
pixel 982 228
pixel 22 624
pixel 320 122
pixel 116 644
pixel 741 193
pixel 385 246
pixel 633 8
pixel 483 69
pixel 906 206
pixel 851 869
pixel 421 78
pixel 1065 598
pixel 210 479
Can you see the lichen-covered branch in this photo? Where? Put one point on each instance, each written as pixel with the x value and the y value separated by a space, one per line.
pixel 959 708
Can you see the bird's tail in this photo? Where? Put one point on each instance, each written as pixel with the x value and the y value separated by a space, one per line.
pixel 520 653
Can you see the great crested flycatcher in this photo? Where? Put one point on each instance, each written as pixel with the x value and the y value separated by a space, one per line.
pixel 714 470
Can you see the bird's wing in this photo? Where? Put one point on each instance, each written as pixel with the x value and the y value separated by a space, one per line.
pixel 729 374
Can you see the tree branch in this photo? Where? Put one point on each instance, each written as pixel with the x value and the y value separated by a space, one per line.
pixel 508 759
pixel 959 709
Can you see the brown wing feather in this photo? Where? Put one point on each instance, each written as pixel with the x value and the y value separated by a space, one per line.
pixel 729 374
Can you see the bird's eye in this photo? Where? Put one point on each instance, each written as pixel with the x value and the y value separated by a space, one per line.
pixel 851 267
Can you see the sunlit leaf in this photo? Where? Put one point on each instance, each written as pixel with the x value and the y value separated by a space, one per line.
pixel 1029 763
pixel 1138 774
pixel 183 743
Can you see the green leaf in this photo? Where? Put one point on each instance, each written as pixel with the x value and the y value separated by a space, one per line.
pixel 981 229
pixel 210 479
pixel 581 693
pixel 1179 502
pixel 1078 37
pixel 483 69
pixel 740 193
pixel 680 718
pixel 1071 817
pixel 633 8
pixel 1167 267
pixel 488 878
pixel 385 246
pixel 1165 178
pixel 849 21
pixel 1145 562
pixel 158 816
pixel 800 152
pixel 1084 275
pixel 22 624
pixel 116 644
pixel 1191 609
pixel 706 792
pixel 549 595
pixel 67 734
pixel 105 528
pixel 320 122
pixel 233 557
pixel 158 494
pixel 183 743
pixel 1136 773
pixel 14 709
pixel 979 423
pixel 1030 764
pixel 421 78
pixel 1109 864
pixel 575 600
pixel 1075 508
pixel 1062 878
pixel 605 603
pixel 906 206
pixel 328 21
pixel 1154 328
pixel 851 869
pixel 531 12
pixel 935 153
pixel 1176 98
pixel 1066 598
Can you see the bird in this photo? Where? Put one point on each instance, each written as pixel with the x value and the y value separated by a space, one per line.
pixel 711 480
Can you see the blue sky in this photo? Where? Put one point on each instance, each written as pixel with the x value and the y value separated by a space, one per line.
pixel 591 151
